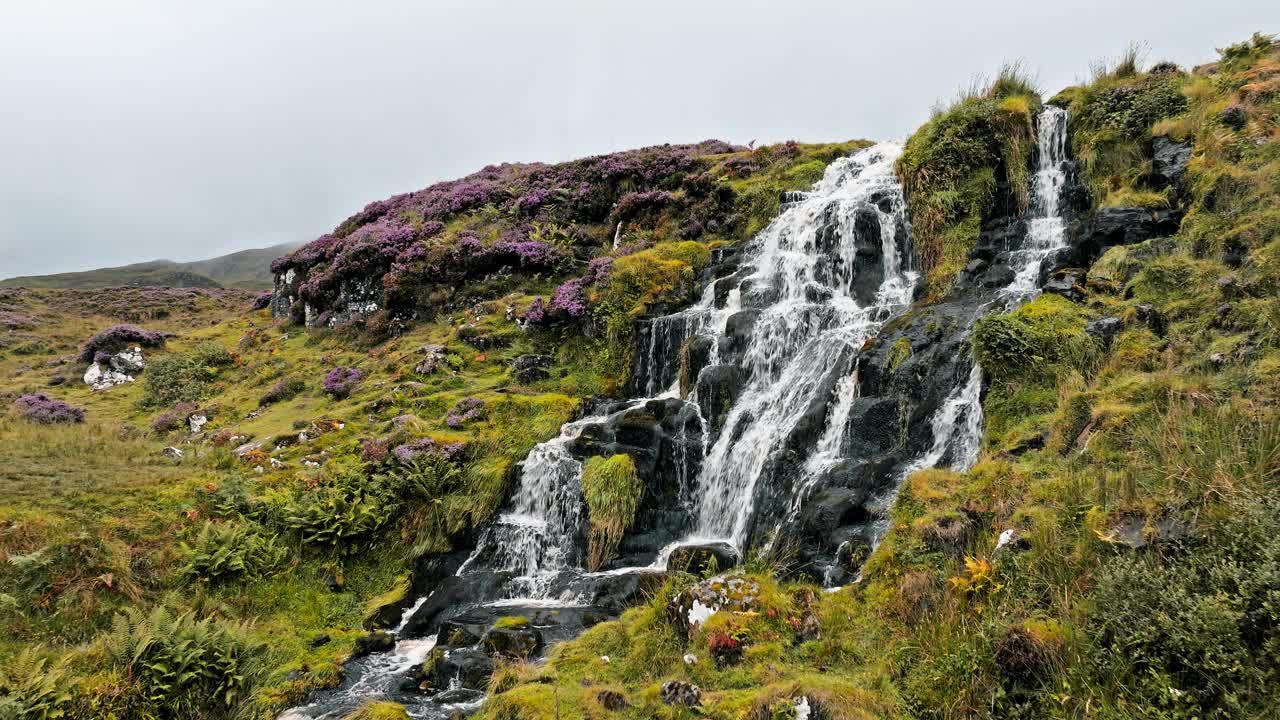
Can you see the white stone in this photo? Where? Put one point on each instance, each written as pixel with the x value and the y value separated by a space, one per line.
pixel 699 613
pixel 101 378
pixel 172 452
pixel 1006 537
pixel 690 658
pixel 197 423
pixel 802 708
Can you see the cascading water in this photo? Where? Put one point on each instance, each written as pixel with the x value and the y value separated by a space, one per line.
pixel 812 288
pixel 807 264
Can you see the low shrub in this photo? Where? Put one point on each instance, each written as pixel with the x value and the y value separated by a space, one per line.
pixel 466 410
pixel 184 378
pixel 117 338
pixel 228 550
pixel 341 381
pixel 171 420
pixel 286 389
pixel 41 408
pixel 183 666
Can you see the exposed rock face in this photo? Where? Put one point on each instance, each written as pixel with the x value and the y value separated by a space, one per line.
pixel 681 693
pixel 696 559
pixel 1169 161
pixel 117 369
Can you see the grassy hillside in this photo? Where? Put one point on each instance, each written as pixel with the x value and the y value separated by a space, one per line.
pixel 1140 477
pixel 246 269
pixel 369 449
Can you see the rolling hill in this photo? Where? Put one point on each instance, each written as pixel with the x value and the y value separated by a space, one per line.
pixel 246 269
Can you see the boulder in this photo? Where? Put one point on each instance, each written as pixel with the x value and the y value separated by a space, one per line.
pixel 1104 328
pixel 470 668
pixel 516 643
pixel 696 559
pixel 530 368
pixel 1169 161
pixel 434 359
pixel 373 642
pixel 681 693
pixel 692 606
pixel 611 700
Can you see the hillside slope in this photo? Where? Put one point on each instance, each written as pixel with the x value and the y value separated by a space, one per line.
pixel 1039 480
pixel 245 269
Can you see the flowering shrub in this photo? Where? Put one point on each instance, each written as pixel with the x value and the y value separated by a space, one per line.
pixel 171 420
pixel 16 321
pixel 426 447
pixel 632 204
pixel 285 389
pixel 373 450
pixel 465 411
pixel 341 381
pixel 537 311
pixel 117 337
pixel 41 408
pixel 263 300
pixel 397 239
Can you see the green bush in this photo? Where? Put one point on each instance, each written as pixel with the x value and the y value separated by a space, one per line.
pixel 286 389
pixel 229 550
pixel 184 378
pixel 31 689
pixel 612 491
pixel 1040 337
pixel 184 667
pixel 950 168
pixel 1197 629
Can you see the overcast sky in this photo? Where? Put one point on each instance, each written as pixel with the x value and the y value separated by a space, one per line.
pixel 185 129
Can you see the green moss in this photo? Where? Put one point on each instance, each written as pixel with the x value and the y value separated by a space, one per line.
pixel 899 353
pixel 512 622
pixel 378 710
pixel 612 491
pixel 1044 334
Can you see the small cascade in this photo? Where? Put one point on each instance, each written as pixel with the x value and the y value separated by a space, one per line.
pixel 1046 228
pixel 537 538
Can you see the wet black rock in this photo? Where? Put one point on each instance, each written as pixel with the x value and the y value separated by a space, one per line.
pixel 469 667
pixel 1111 226
pixel 373 642
pixel 319 641
pixel 1067 284
pixel 698 559
pixel 1104 328
pixel 530 368
pixel 718 388
pixel 1168 162
pixel 516 643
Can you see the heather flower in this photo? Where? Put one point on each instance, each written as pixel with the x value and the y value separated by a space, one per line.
pixel 570 298
pixel 262 300
pixel 427 447
pixel 16 321
pixel 533 200
pixel 465 411
pixel 341 381
pixel 537 311
pixel 373 450
pixel 41 408
pixel 117 337
pixel 171 420
pixel 633 204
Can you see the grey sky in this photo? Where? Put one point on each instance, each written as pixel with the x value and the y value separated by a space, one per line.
pixel 133 130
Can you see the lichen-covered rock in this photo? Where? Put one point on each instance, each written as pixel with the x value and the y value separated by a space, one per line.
pixel 530 368
pixel 691 607
pixel 681 693
pixel 696 559
pixel 108 371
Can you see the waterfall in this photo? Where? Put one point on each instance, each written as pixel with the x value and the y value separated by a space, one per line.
pixel 819 310
pixel 537 538
pixel 811 289
pixel 1046 228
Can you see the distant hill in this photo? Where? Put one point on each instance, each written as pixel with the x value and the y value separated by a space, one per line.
pixel 247 269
